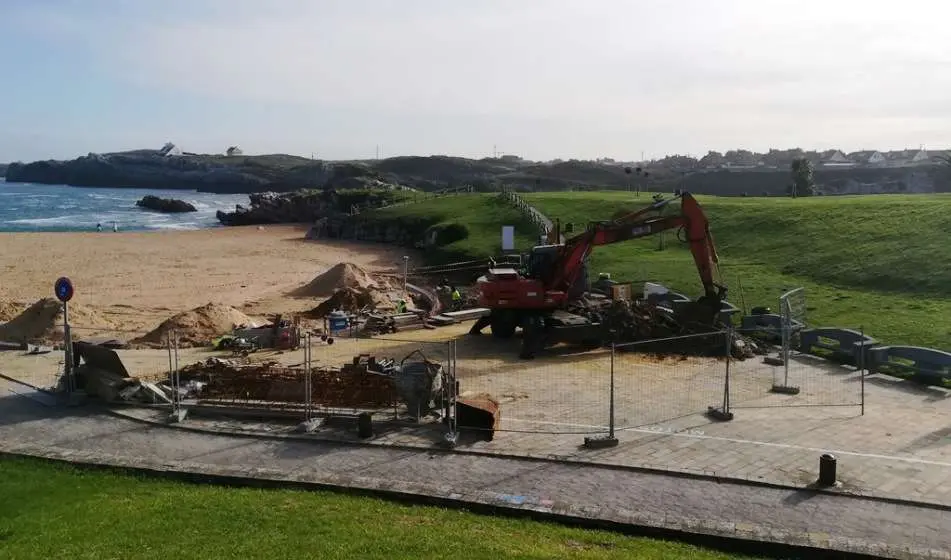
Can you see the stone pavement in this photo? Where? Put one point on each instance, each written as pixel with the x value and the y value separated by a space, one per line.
pixel 611 494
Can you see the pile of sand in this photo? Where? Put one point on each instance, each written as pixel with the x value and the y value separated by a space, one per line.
pixel 197 327
pixel 42 323
pixel 342 276
pixel 352 300
pixel 9 310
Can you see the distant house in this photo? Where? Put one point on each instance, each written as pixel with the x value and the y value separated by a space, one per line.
pixel 170 149
pixel 233 151
pixel 835 158
pixel 867 157
pixel 920 157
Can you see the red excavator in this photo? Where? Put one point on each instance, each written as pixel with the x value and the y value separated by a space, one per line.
pixel 545 297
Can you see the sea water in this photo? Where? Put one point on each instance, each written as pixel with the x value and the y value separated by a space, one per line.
pixel 31 207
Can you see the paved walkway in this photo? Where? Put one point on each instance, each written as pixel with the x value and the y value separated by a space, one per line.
pixel 599 492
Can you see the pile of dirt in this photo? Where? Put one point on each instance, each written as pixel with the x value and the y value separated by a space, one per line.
pixel 341 277
pixel 42 323
pixel 9 310
pixel 197 327
pixel 353 300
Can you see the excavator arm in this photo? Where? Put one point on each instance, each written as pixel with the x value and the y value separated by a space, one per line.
pixel 645 222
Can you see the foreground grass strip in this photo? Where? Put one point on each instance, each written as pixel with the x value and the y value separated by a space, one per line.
pixel 52 511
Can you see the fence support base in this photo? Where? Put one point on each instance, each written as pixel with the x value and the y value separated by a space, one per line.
pixel 719 414
pixel 600 442
pixel 177 416
pixel 310 426
pixel 449 439
pixel 785 390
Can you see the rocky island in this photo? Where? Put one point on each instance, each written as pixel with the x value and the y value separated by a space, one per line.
pixel 166 205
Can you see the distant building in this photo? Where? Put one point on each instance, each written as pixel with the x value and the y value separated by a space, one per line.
pixel 867 157
pixel 170 149
pixel 234 151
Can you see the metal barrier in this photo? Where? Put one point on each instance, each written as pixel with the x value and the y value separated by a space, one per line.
pixel 793 379
pixel 653 388
pixel 564 390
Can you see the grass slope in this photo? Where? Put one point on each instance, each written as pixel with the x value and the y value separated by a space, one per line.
pixel 481 214
pixel 52 511
pixel 873 262
pixel 876 262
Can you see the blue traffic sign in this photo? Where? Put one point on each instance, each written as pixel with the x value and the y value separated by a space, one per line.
pixel 63 289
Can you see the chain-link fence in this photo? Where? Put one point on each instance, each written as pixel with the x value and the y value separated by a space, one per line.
pixel 794 377
pixel 663 380
pixel 565 390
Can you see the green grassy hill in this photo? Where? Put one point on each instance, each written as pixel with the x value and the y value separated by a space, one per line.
pixel 878 262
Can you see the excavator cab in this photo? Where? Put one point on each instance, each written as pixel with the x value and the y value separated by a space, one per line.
pixel 542 261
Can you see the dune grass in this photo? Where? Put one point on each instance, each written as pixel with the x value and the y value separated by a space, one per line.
pixel 51 511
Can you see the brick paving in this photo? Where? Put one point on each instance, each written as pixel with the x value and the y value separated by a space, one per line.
pixel 583 491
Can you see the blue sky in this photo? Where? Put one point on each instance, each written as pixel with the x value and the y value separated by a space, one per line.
pixel 539 78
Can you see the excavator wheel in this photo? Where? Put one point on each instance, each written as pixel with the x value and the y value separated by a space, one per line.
pixel 503 324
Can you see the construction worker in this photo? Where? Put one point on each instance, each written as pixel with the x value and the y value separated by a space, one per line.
pixel 456 299
pixel 401 306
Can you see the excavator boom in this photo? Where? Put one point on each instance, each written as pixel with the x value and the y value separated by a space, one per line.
pixel 691 220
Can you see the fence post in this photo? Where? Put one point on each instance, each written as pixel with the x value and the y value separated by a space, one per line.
pixel 862 370
pixel 611 413
pixel 178 413
pixel 608 440
pixel 723 413
pixel 785 321
pixel 310 423
pixel 452 435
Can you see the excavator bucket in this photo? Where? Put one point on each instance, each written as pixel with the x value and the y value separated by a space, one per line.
pixel 704 312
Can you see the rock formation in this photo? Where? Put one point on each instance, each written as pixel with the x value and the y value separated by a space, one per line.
pixel 305 206
pixel 167 205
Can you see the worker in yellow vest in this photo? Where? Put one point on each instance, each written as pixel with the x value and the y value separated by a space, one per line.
pixel 456 299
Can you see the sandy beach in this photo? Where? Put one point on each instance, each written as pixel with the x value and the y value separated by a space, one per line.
pixel 139 279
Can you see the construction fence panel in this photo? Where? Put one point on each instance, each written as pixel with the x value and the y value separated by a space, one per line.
pixel 787 377
pixel 564 390
pixel 670 383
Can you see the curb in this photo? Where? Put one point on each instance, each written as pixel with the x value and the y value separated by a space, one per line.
pixel 547 459
pixel 746 539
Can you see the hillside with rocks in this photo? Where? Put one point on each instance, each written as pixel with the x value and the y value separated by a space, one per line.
pixel 732 174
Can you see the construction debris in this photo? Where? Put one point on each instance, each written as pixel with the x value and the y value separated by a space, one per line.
pixel 660 332
pixel 366 382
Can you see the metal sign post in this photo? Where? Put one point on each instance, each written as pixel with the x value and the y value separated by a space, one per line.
pixel 63 289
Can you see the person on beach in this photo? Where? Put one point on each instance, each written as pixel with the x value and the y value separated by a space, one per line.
pixel 99 227
pixel 115 226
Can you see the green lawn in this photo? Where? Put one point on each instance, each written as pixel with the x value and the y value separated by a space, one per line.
pixel 50 511
pixel 482 215
pixel 879 262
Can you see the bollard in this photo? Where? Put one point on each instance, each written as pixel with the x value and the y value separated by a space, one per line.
pixel 364 425
pixel 827 466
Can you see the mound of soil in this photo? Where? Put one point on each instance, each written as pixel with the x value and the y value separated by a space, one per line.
pixel 353 300
pixel 9 310
pixel 197 327
pixel 341 277
pixel 42 323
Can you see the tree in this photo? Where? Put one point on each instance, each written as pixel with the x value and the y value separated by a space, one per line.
pixel 803 183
